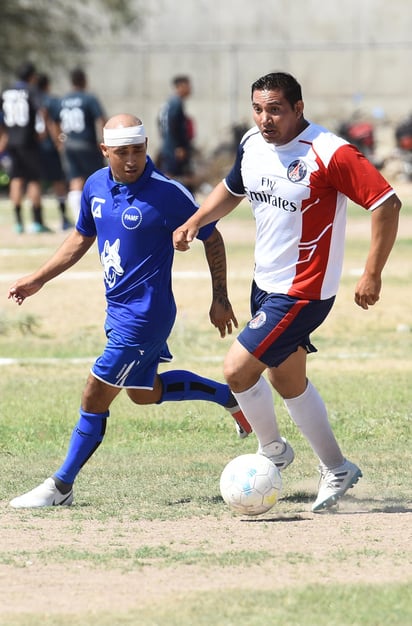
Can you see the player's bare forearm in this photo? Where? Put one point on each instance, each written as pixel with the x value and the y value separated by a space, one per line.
pixel 221 313
pixel 385 220
pixel 216 259
pixel 218 203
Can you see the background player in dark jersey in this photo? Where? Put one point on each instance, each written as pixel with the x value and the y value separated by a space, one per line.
pixel 131 209
pixel 297 177
pixel 82 118
pixel 22 116
pixel 52 169
pixel 176 134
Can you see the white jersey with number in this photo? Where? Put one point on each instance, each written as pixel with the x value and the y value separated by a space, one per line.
pixel 298 193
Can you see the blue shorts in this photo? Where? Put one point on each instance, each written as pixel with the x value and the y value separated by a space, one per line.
pixel 280 324
pixel 130 366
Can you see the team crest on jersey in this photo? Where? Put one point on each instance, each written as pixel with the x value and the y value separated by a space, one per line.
pixel 111 262
pixel 297 171
pixel 257 321
pixel 132 218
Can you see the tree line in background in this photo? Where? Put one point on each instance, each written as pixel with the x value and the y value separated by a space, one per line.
pixel 50 33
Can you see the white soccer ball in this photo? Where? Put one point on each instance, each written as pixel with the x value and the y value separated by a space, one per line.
pixel 250 484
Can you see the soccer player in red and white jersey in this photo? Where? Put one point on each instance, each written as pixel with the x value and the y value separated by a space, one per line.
pixel 297 177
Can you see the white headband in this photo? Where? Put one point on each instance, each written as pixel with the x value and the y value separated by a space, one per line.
pixel 124 136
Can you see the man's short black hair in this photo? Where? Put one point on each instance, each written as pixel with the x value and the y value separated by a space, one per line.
pixel 281 81
pixel 78 77
pixel 26 71
pixel 181 78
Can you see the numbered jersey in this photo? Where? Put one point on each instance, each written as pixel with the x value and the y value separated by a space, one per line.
pixel 78 114
pixel 20 112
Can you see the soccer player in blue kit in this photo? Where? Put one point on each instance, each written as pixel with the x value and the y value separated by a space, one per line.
pixel 131 209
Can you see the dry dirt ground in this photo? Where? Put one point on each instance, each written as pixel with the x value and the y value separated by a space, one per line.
pixel 367 540
pixel 363 542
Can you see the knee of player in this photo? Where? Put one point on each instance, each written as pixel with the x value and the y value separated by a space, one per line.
pixel 233 374
pixel 145 396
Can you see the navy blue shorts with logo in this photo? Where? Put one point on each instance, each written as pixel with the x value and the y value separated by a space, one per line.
pixel 280 324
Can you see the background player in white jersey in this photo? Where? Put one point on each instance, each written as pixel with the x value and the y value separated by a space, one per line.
pixel 131 209
pixel 297 177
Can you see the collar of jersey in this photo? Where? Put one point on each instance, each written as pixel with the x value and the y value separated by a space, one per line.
pixel 141 181
pixel 287 146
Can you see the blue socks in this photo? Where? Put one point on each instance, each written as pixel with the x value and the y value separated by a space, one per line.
pixel 86 438
pixel 90 429
pixel 184 385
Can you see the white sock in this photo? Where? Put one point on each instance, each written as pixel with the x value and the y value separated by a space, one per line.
pixel 258 407
pixel 309 413
pixel 73 200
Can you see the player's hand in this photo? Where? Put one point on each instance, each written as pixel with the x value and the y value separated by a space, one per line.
pixel 367 291
pixel 23 288
pixel 183 237
pixel 222 316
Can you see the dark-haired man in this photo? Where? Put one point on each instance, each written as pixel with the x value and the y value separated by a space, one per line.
pixel 297 177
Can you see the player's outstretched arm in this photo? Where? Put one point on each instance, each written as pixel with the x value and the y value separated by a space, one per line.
pixel 72 249
pixel 218 203
pixel 384 229
pixel 221 314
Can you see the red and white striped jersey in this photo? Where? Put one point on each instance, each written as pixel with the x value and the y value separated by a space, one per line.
pixel 298 193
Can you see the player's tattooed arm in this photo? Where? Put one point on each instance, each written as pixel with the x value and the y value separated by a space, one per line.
pixel 221 313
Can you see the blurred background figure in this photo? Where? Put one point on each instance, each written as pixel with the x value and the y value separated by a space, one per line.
pixel 52 169
pixel 177 133
pixel 22 116
pixel 82 118
pixel 5 162
pixel 403 140
pixel 359 132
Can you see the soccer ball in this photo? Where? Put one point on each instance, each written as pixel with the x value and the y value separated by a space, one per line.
pixel 250 484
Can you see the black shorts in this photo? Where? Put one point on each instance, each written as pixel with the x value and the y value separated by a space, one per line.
pixel 52 170
pixel 83 163
pixel 25 163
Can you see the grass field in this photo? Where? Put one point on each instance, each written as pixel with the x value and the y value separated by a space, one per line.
pixel 149 540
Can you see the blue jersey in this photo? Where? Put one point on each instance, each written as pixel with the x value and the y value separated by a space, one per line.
pixel 134 225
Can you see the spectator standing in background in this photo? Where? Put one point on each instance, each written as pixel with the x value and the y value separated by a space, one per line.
pixel 82 118
pixel 52 169
pixel 22 116
pixel 177 133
